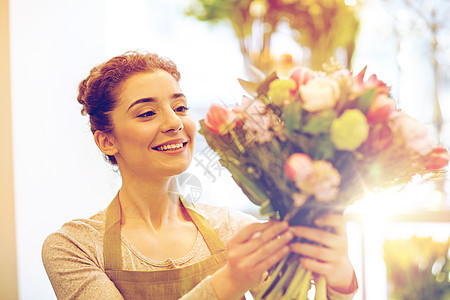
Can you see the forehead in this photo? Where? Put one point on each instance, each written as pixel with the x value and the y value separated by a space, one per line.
pixel 158 83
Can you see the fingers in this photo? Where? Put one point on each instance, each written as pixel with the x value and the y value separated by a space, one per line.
pixel 257 235
pixel 326 247
pixel 257 247
pixel 271 260
pixel 248 231
pixel 325 238
pixel 314 251
pixel 268 251
pixel 338 222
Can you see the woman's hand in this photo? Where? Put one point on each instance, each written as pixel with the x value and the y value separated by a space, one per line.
pixel 250 253
pixel 330 257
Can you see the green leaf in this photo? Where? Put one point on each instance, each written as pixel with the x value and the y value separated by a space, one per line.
pixel 302 142
pixel 365 100
pixel 249 87
pixel 248 186
pixel 292 116
pixel 324 148
pixel 320 123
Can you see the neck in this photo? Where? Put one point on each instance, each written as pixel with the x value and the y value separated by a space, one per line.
pixel 152 203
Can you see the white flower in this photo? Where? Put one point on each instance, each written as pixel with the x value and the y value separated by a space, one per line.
pixel 319 94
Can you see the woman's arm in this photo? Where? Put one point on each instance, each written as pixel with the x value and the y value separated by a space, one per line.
pixel 74 272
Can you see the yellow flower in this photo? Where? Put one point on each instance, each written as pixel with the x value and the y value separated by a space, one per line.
pixel 280 90
pixel 350 130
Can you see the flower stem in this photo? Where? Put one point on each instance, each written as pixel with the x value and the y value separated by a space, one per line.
pixel 321 288
pixel 292 290
pixel 272 277
pixel 286 277
pixel 304 286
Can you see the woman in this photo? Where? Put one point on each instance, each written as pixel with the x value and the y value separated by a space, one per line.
pixel 148 244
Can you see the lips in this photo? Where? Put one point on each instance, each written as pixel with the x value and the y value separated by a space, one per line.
pixel 171 145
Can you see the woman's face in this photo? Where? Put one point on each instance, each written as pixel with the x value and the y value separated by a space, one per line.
pixel 153 133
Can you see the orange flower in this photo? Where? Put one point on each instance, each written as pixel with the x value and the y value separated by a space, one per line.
pixel 220 120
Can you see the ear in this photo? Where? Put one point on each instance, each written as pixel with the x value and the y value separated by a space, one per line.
pixel 105 142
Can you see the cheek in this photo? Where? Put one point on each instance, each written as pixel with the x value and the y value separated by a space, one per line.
pixel 190 127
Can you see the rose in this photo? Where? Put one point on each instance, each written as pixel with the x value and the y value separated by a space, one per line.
pixel 280 91
pixel 301 76
pixel 414 134
pixel 438 158
pixel 298 166
pixel 220 120
pixel 319 94
pixel 380 109
pixel 350 130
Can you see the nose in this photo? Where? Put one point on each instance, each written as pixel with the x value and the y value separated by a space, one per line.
pixel 171 122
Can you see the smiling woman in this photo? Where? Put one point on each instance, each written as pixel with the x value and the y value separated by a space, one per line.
pixel 150 123
pixel 149 243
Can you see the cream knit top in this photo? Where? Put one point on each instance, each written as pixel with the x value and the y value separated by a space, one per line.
pixel 73 256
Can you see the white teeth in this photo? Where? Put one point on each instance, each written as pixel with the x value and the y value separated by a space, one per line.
pixel 170 147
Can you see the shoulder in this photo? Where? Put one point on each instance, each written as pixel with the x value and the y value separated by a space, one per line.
pixel 226 221
pixel 79 237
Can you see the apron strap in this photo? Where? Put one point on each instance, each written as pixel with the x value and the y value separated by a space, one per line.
pixel 112 243
pixel 214 243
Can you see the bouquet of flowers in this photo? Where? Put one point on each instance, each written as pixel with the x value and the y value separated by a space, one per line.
pixel 313 143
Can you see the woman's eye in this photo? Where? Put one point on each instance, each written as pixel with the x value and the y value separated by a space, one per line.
pixel 182 108
pixel 147 114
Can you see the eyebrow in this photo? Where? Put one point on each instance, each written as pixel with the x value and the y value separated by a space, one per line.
pixel 151 99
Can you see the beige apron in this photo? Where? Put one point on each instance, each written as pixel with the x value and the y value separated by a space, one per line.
pixel 164 284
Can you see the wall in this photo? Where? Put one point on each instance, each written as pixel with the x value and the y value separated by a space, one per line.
pixel 8 267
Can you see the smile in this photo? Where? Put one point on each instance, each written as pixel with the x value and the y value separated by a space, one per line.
pixel 170 147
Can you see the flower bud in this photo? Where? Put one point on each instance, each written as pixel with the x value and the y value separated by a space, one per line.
pixel 219 119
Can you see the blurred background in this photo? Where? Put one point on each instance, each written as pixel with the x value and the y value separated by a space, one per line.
pixel 52 172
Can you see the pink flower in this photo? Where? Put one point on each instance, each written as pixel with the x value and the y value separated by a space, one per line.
pixel 220 120
pixel 437 159
pixel 323 182
pixel 414 134
pixel 256 120
pixel 298 166
pixel 380 109
pixel 301 75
